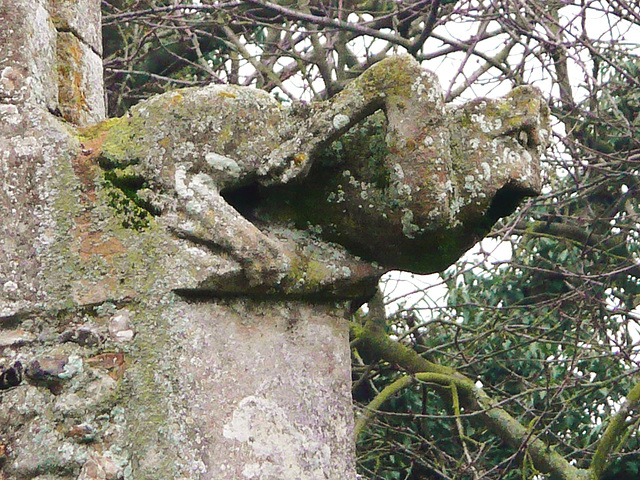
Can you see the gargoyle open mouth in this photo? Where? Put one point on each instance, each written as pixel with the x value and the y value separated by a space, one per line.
pixel 506 200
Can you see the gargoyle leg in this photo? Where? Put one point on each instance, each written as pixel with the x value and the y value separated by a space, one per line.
pixel 210 219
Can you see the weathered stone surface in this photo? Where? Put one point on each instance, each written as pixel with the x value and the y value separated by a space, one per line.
pixel 37 180
pixel 276 374
pixel 97 272
pixel 11 375
pixel 120 327
pixel 423 194
pixel 54 368
pixel 31 138
pixel 52 62
pixel 55 434
pixel 28 60
pixel 80 91
pixel 100 467
pixel 423 200
pixel 84 336
pixel 21 405
pixel 82 18
pixel 10 338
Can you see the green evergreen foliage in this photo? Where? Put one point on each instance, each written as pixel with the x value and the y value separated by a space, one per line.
pixel 552 333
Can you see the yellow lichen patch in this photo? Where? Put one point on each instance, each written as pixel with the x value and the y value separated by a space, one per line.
pixel 392 76
pixel 119 144
pixel 227 94
pixel 299 158
pixel 85 163
pixel 176 99
pixel 98 131
pixel 533 106
pixel 71 88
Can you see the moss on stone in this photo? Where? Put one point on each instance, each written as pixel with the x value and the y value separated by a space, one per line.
pixel 97 131
pixel 390 76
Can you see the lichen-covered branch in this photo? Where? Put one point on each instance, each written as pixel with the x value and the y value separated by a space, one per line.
pixel 616 428
pixel 404 382
pixel 383 396
pixel 378 344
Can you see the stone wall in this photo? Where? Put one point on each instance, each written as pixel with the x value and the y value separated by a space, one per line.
pixel 106 372
pixel 51 57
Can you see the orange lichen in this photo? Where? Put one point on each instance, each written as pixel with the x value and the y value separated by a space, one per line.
pixel 299 158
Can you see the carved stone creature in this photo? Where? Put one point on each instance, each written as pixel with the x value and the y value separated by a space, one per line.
pixel 415 190
pixel 412 189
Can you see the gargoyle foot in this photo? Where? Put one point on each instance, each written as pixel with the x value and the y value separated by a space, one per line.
pixel 264 268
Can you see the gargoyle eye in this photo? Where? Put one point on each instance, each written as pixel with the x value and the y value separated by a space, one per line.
pixel 523 138
pixel 526 137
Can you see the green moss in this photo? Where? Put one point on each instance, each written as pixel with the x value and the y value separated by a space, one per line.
pixel 122 186
pixel 94 132
pixel 119 146
pixel 311 272
pixel 113 139
pixel 128 206
pixel 465 120
pixel 391 76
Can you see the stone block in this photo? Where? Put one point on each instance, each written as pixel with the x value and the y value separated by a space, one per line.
pixel 27 63
pixel 242 389
pixel 80 17
pixel 80 88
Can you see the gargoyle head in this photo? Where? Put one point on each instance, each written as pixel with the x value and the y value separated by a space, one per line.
pixel 415 193
pixel 500 142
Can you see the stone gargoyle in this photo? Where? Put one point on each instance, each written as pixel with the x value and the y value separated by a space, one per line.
pixel 384 172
